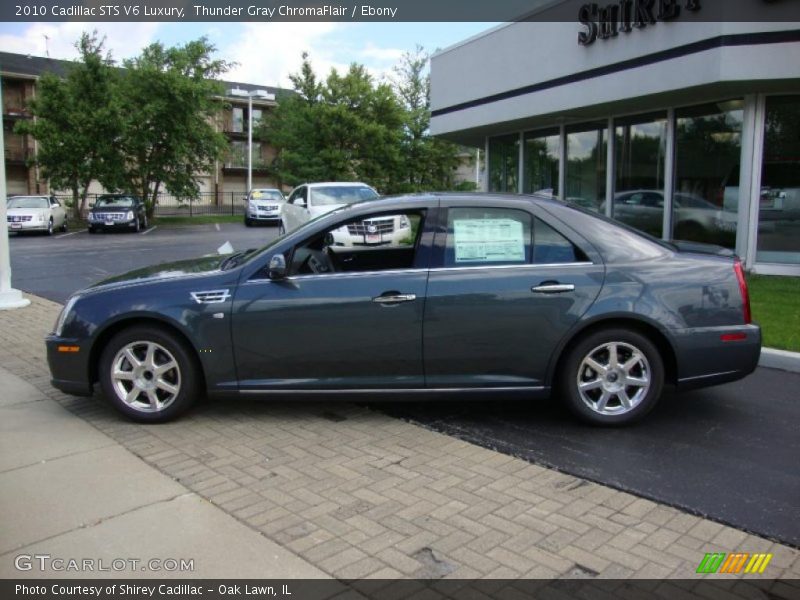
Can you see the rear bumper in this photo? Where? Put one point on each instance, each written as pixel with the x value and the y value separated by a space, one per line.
pixel 704 358
pixel 69 371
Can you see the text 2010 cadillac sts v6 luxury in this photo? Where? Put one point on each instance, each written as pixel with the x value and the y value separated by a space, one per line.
pixel 488 294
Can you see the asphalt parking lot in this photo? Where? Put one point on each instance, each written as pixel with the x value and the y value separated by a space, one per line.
pixel 728 453
pixel 55 267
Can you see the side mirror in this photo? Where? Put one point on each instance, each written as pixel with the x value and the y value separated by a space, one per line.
pixel 277 267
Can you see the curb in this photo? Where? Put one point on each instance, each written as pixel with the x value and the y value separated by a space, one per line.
pixel 780 359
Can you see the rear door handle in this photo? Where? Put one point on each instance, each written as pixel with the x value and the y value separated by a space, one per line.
pixel 553 287
pixel 392 298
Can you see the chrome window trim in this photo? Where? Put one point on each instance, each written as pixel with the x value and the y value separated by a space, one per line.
pixel 433 270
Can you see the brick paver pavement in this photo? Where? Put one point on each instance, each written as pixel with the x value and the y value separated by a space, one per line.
pixel 361 494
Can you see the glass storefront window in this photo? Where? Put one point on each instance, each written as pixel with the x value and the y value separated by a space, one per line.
pixel 586 166
pixel 504 164
pixel 779 202
pixel 540 162
pixel 640 150
pixel 708 146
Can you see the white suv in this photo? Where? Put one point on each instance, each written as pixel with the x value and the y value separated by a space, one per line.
pixel 263 204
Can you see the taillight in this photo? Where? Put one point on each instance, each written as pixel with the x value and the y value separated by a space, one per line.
pixel 739 270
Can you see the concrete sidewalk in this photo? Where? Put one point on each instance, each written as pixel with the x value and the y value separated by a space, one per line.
pixel 71 492
pixel 247 487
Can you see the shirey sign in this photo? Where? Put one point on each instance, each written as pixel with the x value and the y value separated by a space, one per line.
pixel 608 21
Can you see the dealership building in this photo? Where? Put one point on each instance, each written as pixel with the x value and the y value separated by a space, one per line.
pixel 691 127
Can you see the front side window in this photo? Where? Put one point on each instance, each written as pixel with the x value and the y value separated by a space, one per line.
pixel 378 242
pixel 550 247
pixel 487 236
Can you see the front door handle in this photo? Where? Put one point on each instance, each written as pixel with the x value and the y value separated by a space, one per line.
pixel 552 287
pixel 393 298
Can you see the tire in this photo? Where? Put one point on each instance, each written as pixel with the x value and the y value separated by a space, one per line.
pixel 605 399
pixel 247 222
pixel 50 226
pixel 281 229
pixel 138 227
pixel 64 226
pixel 144 222
pixel 143 394
pixel 91 229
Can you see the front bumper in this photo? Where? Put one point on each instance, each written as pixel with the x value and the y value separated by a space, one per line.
pixel 27 226
pixel 261 215
pixel 127 224
pixel 69 371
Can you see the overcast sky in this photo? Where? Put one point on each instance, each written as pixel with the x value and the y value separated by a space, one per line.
pixel 266 53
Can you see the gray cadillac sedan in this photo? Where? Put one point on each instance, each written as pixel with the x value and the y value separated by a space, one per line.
pixel 487 296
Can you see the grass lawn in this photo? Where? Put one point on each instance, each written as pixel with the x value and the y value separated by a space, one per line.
pixel 775 302
pixel 197 220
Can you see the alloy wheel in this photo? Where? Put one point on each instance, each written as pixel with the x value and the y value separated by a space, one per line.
pixel 614 378
pixel 145 376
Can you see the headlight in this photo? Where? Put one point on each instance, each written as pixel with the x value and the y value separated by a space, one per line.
pixel 129 215
pixel 404 222
pixel 91 216
pixel 62 318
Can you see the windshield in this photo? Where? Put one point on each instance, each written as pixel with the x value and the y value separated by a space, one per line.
pixel 114 202
pixel 266 195
pixel 28 202
pixel 341 194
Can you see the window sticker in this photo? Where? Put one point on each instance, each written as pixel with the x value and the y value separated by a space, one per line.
pixel 488 240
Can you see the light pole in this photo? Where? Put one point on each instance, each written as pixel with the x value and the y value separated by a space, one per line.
pixel 9 297
pixel 262 95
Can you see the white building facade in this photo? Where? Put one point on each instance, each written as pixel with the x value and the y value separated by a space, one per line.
pixel 683 129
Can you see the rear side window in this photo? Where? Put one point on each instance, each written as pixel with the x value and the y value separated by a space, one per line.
pixel 550 247
pixel 488 236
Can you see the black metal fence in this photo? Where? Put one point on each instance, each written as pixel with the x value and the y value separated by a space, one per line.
pixel 204 203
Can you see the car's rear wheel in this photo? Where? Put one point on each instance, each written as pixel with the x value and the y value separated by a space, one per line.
pixel 612 377
pixel 148 374
pixel 64 226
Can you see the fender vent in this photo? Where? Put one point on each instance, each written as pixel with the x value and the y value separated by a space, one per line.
pixel 211 296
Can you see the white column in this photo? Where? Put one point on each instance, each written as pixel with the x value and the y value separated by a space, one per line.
pixel 669 175
pixel 9 297
pixel 249 143
pixel 750 179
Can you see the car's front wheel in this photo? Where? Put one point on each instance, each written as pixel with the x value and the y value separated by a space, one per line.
pixel 64 226
pixel 50 226
pixel 612 377
pixel 148 374
pixel 281 228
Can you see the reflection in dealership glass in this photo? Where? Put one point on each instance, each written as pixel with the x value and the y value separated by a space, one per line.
pixel 484 296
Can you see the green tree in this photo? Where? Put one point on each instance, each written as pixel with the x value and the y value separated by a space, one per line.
pixel 344 128
pixel 169 98
pixel 76 123
pixel 428 163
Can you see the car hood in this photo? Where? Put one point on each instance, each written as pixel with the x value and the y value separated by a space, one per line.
pixel 172 270
pixel 25 211
pixel 324 209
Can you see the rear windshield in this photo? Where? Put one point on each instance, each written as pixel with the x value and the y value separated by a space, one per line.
pixel 341 194
pixel 28 202
pixel 115 202
pixel 616 241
